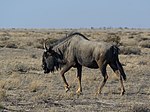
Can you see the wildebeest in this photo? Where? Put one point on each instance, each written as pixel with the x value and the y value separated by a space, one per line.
pixel 75 50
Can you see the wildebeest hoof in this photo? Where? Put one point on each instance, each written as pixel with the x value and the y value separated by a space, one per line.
pixel 98 93
pixel 67 89
pixel 122 93
pixel 79 91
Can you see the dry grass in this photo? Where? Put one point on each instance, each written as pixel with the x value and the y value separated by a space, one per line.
pixel 35 85
pixel 12 82
pixel 2 94
pixel 130 50
pixel 145 44
pixel 140 108
pixel 24 87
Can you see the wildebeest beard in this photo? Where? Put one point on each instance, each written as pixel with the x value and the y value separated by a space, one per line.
pixel 58 63
pixel 55 63
pixel 53 67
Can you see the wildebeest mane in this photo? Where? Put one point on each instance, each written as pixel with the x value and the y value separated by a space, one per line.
pixel 67 37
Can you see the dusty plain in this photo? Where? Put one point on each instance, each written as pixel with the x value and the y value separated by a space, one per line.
pixel 25 88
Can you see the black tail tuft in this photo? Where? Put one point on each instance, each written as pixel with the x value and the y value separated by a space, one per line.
pixel 115 53
pixel 121 70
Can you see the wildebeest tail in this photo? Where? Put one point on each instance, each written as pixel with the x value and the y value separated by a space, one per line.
pixel 115 53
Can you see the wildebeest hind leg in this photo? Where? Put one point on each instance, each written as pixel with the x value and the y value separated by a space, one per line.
pixel 117 72
pixel 79 76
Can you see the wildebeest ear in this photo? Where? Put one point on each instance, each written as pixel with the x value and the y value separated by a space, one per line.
pixel 50 49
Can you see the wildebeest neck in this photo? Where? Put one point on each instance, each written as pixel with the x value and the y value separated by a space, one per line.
pixel 65 48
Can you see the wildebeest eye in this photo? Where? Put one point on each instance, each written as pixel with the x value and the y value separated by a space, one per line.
pixel 42 65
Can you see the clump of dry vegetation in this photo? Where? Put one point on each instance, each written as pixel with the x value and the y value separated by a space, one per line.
pixel 2 94
pixel 11 45
pixel 35 85
pixel 130 50
pixel 12 82
pixel 141 108
pixel 145 44
pixel 112 37
pixel 21 67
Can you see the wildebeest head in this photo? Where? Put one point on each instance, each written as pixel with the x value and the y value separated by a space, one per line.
pixel 48 59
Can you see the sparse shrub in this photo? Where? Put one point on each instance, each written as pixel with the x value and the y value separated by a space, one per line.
pixel 140 109
pixel 44 95
pixel 20 67
pixel 135 33
pixel 112 38
pixel 120 28
pixel 35 85
pixel 92 28
pixel 5 38
pixel 131 37
pixel 6 34
pixel 51 41
pixel 130 50
pixel 29 43
pixel 142 63
pixel 130 42
pixel 148 34
pixel 2 94
pixel 12 83
pixel 11 45
pixel 126 28
pixel 139 39
pixel 22 47
pixel 40 42
pixel 145 38
pixel 145 44
pixel 38 45
pixel 48 33
pixel 2 84
pixel 2 108
pixel 2 44
pixel 34 56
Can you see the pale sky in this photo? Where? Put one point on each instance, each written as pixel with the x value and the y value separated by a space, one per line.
pixel 74 13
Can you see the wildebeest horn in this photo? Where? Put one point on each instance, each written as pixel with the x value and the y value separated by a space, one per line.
pixel 45 47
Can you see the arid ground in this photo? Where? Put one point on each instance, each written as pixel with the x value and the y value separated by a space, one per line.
pixel 25 88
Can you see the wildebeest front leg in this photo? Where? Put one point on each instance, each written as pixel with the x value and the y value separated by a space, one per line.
pixel 103 83
pixel 79 76
pixel 64 70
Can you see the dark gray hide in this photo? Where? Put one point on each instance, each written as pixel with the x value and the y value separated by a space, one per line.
pixel 76 50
